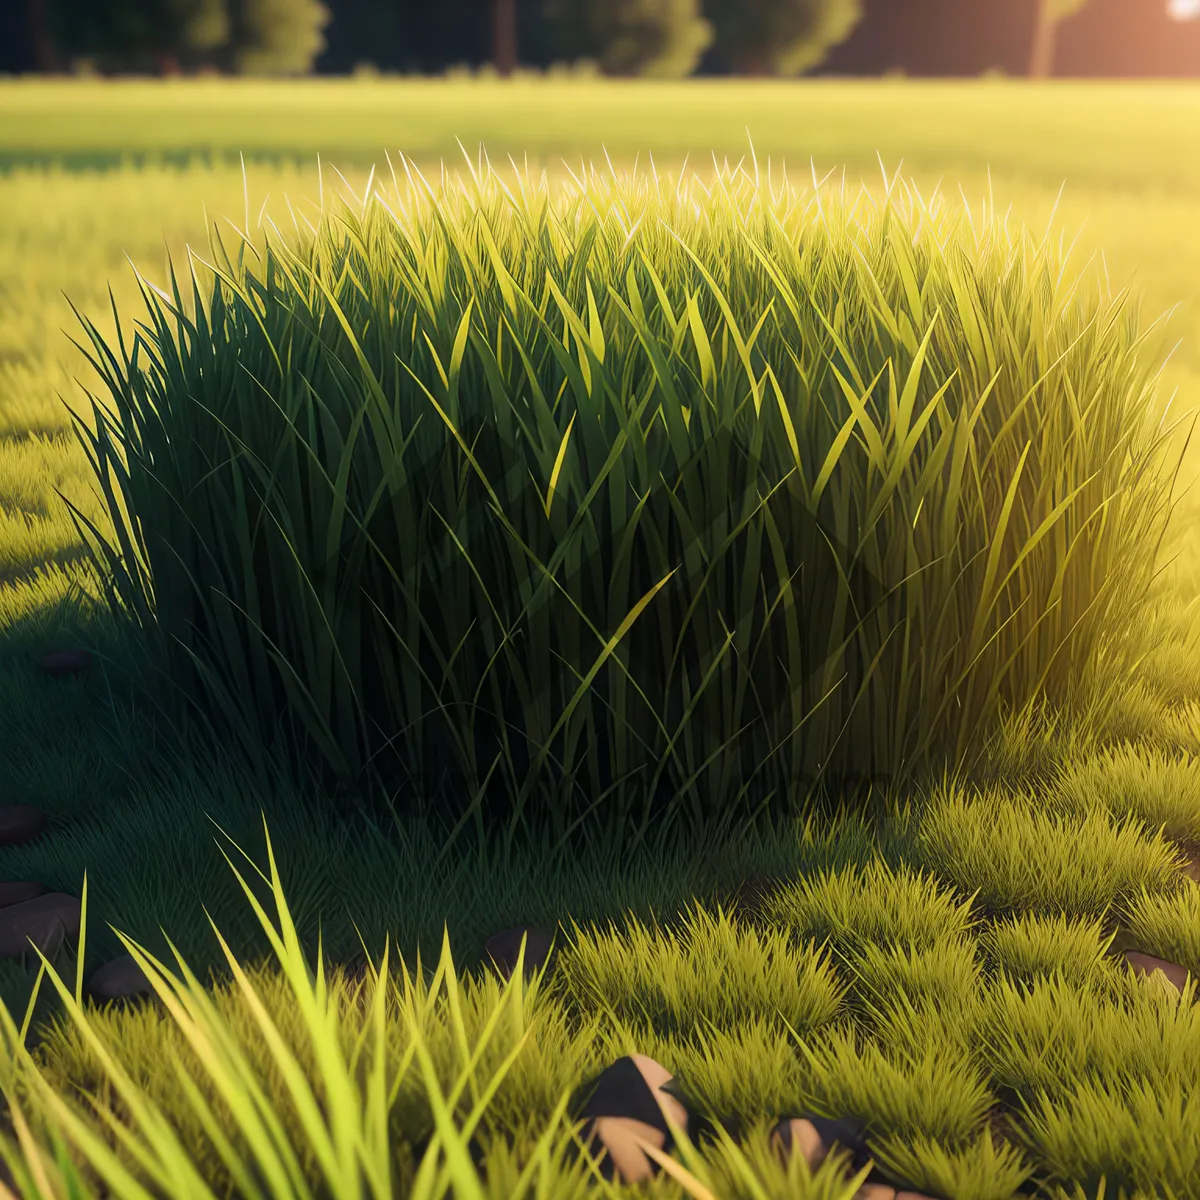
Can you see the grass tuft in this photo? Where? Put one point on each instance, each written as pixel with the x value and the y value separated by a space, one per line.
pixel 460 475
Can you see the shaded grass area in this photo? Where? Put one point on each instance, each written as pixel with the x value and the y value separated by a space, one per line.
pixel 948 973
pixel 949 977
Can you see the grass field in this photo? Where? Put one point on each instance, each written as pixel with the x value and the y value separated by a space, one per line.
pixel 91 174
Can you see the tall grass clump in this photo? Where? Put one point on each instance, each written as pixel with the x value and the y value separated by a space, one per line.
pixel 639 489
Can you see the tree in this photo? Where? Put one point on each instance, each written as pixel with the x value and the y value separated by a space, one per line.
pixel 276 37
pixel 409 35
pixel 1048 15
pixel 139 35
pixel 663 38
pixel 504 36
pixel 780 37
pixel 259 37
pixel 44 48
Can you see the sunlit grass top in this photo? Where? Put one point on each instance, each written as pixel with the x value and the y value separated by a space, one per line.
pixel 631 482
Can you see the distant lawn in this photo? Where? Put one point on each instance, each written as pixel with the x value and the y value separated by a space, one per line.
pixel 1127 136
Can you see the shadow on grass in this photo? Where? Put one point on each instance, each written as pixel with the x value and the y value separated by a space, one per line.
pixel 120 158
pixel 145 814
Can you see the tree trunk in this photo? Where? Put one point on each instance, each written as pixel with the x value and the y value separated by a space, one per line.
pixel 1041 57
pixel 504 36
pixel 755 66
pixel 44 50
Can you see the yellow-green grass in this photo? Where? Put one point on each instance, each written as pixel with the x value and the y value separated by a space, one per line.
pixel 1128 135
pixel 876 988
pixel 1103 1063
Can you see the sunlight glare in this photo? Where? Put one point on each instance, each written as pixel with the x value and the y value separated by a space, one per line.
pixel 1183 10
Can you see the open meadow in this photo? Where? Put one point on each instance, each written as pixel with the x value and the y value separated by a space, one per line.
pixel 945 963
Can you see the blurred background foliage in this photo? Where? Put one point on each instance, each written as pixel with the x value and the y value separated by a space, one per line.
pixel 655 38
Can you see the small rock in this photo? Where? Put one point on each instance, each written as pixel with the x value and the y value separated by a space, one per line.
pixel 1148 966
pixel 1191 868
pixel 20 823
pixel 39 919
pixel 627 1105
pixel 16 893
pixel 65 662
pixel 47 934
pixel 503 949
pixel 814 1137
pixel 621 1153
pixel 796 1134
pixel 877 1191
pixel 119 980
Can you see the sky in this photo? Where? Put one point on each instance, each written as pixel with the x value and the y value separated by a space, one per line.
pixel 1183 10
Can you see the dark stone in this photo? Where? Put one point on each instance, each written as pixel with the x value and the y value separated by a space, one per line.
pixel 503 949
pixel 815 1137
pixel 796 1135
pixel 65 662
pixel 20 823
pixel 1147 965
pixel 119 979
pixel 18 892
pixel 626 1105
pixel 39 919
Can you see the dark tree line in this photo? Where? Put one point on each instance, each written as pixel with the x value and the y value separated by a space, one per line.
pixel 622 37
pixel 169 36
